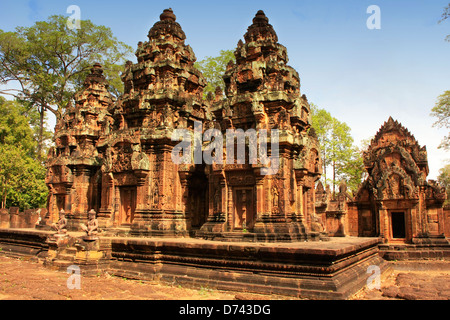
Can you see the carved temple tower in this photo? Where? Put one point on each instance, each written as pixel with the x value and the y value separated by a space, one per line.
pixel 271 201
pixel 73 165
pixel 143 188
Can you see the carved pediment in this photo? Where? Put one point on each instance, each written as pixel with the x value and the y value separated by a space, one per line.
pixel 394 183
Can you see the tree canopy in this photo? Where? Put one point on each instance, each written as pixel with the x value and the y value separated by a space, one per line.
pixel 21 175
pixel 337 150
pixel 444 180
pixel 444 17
pixel 441 111
pixel 45 64
pixel 213 69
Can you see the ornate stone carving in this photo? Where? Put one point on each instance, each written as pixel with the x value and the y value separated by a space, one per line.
pixel 397 166
pixel 120 151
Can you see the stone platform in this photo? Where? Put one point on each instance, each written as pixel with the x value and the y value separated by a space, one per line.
pixel 423 251
pixel 332 269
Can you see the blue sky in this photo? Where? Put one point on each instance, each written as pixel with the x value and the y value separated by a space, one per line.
pixel 360 76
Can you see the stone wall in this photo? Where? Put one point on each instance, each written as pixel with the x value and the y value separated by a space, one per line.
pixel 352 219
pixel 13 218
pixel 447 221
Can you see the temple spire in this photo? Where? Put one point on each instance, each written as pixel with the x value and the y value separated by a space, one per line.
pixel 167 26
pixel 260 29
pixel 168 15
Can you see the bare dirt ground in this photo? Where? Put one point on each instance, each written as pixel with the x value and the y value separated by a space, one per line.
pixel 25 280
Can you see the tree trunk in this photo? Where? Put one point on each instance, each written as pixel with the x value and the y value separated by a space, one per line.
pixel 40 146
pixel 334 178
pixel 4 200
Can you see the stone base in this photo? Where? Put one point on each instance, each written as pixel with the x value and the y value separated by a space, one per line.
pixel 24 243
pixel 421 250
pixel 431 240
pixel 256 237
pixel 334 269
pixel 57 243
pixel 90 253
pixel 315 270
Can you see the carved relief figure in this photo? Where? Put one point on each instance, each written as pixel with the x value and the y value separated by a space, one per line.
pixel 275 196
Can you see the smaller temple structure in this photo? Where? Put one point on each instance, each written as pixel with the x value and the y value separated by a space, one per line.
pixel 396 202
pixel 334 210
pixel 73 165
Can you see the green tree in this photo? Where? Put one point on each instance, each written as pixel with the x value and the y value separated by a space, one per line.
pixel 340 149
pixel 46 63
pixel 337 151
pixel 22 181
pixel 321 122
pixel 21 175
pixel 213 69
pixel 441 111
pixel 444 17
pixel 354 172
pixel 444 179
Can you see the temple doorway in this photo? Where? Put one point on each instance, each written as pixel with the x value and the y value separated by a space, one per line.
pixel 244 210
pixel 398 225
pixel 198 199
pixel 61 202
pixel 127 205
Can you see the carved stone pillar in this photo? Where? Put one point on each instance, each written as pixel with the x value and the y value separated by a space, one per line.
pixel 423 211
pixel 104 215
pixel 384 221
pixel 299 201
pixel 229 210
pixel 259 197
pixel 184 179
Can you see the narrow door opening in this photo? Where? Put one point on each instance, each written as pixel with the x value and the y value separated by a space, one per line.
pixel 128 205
pixel 61 202
pixel 244 209
pixel 398 225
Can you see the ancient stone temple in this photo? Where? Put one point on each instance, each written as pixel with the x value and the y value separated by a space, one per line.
pixel 263 93
pixel 396 202
pixel 116 157
pixel 142 188
pixel 164 161
pixel 73 175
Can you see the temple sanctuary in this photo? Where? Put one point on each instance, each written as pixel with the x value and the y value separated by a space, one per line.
pixel 222 190
pixel 115 156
